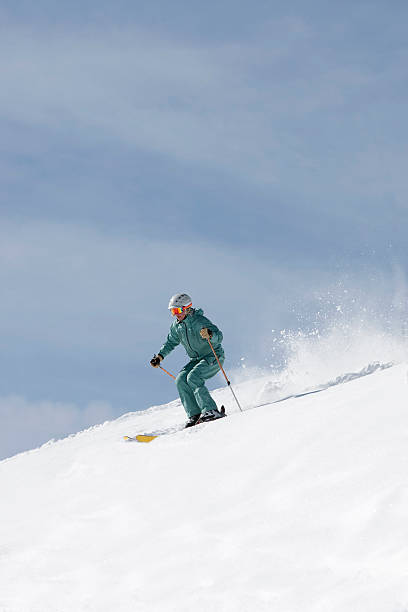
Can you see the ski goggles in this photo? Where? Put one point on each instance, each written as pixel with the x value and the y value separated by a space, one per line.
pixel 179 310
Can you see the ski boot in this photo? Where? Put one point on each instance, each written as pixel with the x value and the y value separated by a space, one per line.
pixel 193 420
pixel 211 415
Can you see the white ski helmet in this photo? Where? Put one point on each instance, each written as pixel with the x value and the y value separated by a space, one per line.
pixel 180 300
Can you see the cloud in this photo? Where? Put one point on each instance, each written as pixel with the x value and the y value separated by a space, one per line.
pixel 26 425
pixel 73 287
pixel 295 117
pixel 227 105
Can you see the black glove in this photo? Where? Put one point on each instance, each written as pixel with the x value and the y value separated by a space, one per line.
pixel 155 362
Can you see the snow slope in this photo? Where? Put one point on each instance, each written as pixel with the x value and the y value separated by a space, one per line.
pixel 294 506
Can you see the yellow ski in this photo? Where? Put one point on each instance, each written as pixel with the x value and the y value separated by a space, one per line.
pixel 140 438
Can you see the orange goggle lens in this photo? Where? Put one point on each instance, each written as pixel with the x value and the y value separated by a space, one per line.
pixel 179 310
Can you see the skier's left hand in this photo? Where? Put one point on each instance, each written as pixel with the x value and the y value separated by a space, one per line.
pixel 205 333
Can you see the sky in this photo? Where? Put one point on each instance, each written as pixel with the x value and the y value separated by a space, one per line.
pixel 253 156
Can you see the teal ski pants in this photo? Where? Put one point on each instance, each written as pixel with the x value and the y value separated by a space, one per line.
pixel 194 395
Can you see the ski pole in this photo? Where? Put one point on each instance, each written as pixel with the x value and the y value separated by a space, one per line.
pixel 166 372
pixel 226 377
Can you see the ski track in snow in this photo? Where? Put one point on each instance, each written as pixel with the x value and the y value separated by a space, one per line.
pixel 298 505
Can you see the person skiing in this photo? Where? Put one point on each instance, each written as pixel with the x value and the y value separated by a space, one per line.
pixel 193 330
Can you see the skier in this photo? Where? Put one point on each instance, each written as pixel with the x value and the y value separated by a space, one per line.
pixel 193 331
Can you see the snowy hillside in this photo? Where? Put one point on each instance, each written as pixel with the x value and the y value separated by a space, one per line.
pixel 294 506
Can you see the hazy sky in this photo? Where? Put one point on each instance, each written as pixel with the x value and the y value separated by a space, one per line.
pixel 253 154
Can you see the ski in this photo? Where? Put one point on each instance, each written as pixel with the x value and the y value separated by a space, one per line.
pixel 141 437
pixel 149 437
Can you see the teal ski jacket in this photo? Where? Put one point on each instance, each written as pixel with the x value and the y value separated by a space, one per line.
pixel 187 333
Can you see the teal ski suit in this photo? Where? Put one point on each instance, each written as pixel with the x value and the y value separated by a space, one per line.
pixel 194 395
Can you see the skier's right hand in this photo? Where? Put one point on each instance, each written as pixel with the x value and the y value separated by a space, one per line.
pixel 155 362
